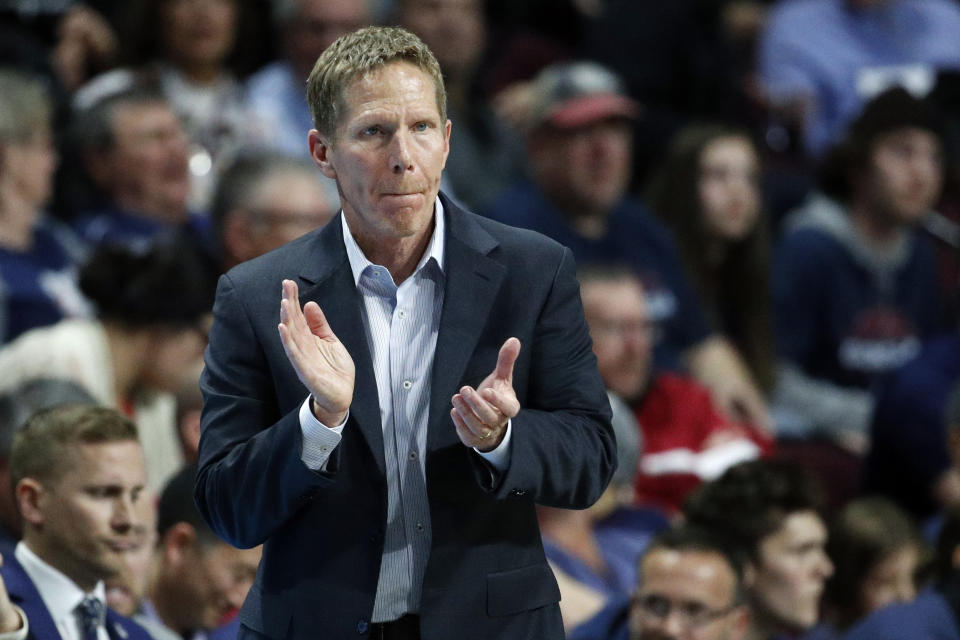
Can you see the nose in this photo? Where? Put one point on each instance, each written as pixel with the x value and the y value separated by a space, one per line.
pixel 123 515
pixel 824 566
pixel 400 159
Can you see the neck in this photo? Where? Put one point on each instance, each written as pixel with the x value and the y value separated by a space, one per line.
pixel 162 591
pixel 155 208
pixel 35 542
pixel 874 228
pixel 200 73
pixel 127 347
pixel 399 255
pixel 17 217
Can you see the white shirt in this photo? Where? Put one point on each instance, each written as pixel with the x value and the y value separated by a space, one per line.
pixel 59 593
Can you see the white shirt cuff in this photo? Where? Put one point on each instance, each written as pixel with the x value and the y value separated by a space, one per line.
pixel 319 440
pixel 499 457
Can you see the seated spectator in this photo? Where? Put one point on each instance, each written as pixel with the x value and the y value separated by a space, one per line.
pixel 690 584
pixel 707 190
pixel 135 151
pixel 854 283
pixel 593 552
pixel 189 52
pixel 264 201
pixel 276 94
pixel 16 407
pixel 876 553
pixel 38 256
pixel 78 473
pixel 486 157
pixel 771 512
pixel 153 314
pixel 823 60
pixel 914 456
pixel 687 439
pixel 199 579
pixel 578 156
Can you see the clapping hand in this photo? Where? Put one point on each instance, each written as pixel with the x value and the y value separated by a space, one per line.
pixel 480 415
pixel 321 361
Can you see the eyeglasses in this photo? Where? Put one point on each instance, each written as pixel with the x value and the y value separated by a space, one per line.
pixel 692 614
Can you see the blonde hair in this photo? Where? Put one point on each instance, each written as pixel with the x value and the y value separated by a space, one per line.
pixel 357 54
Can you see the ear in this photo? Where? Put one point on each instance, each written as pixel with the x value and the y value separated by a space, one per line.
pixel 321 152
pixel 177 544
pixel 446 141
pixel 30 497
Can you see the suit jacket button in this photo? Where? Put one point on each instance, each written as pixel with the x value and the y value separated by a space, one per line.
pixel 362 626
pixel 517 493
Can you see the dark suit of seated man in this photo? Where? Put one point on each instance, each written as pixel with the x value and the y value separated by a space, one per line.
pixel 388 449
pixel 77 473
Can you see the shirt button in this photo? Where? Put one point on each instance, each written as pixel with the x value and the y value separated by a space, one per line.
pixel 402 314
pixel 413 455
pixel 407 384
pixel 419 526
pixel 323 449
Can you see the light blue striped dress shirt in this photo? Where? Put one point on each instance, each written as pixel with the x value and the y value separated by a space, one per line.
pixel 401 325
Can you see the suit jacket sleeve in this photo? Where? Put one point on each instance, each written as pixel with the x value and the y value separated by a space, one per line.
pixel 564 452
pixel 251 478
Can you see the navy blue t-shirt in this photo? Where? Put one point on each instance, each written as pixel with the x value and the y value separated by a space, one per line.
pixel 634 238
pixel 38 287
pixel 838 321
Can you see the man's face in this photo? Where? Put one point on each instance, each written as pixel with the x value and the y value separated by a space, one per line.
pixel 905 175
pixel 622 334
pixel 86 518
pixel 26 169
pixel 285 206
pixel 584 169
pixel 455 30
pixel 147 167
pixel 790 571
pixel 390 149
pixel 686 595
pixel 317 24
pixel 214 582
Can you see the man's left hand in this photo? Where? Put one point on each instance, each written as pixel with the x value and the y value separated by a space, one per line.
pixel 480 415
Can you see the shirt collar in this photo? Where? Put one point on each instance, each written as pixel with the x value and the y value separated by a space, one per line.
pixel 60 594
pixel 434 251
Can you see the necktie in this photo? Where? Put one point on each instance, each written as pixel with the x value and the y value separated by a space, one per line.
pixel 91 613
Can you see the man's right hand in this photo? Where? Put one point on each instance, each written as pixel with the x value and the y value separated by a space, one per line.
pixel 321 361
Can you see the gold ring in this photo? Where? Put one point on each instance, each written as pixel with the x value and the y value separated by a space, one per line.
pixel 486 434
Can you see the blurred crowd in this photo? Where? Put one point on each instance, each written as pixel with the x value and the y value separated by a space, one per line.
pixel 763 199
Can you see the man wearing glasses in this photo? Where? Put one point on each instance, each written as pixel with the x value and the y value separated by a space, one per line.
pixel 690 586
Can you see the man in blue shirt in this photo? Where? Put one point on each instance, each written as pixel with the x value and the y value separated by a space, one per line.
pixel 579 151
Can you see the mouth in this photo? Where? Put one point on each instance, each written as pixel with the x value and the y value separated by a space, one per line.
pixel 123 546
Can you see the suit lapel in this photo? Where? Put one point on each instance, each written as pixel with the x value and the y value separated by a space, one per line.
pixel 326 278
pixel 471 283
pixel 24 594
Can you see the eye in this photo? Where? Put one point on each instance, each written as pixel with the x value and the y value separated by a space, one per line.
pixel 421 126
pixel 372 130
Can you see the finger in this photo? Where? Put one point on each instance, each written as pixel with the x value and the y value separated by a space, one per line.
pixel 483 409
pixel 470 419
pixel 317 321
pixel 506 359
pixel 463 432
pixel 505 403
